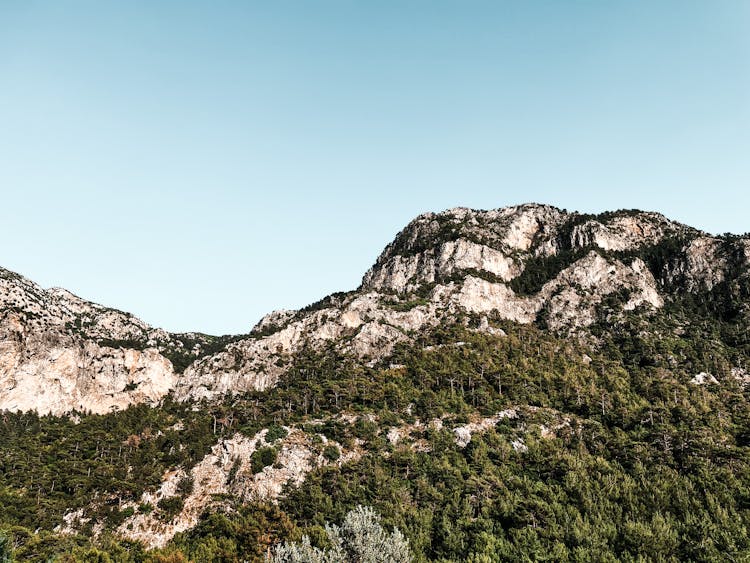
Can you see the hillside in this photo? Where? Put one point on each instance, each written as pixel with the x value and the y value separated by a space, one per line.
pixel 520 383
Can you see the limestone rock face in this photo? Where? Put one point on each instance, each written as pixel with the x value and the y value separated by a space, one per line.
pixel 403 273
pixel 528 263
pixel 227 470
pixel 53 358
pixel 434 247
pixel 624 232
pixel 570 299
pixel 705 265
pixel 57 375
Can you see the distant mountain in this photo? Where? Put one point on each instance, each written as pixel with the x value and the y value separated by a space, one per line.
pixel 516 384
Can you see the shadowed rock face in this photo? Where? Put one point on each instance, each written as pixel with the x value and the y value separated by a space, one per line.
pixel 529 263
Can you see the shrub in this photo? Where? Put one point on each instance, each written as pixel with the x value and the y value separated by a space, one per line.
pixel 6 549
pixel 331 452
pixel 361 538
pixel 275 432
pixel 171 507
pixel 261 458
pixel 186 484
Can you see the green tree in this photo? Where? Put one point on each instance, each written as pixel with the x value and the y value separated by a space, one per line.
pixel 361 539
pixel 6 549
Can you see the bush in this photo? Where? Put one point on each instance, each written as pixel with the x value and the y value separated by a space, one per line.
pixel 186 484
pixel 361 539
pixel 275 432
pixel 331 452
pixel 171 507
pixel 6 549
pixel 262 458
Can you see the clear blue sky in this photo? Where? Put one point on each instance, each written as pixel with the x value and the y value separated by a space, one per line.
pixel 202 163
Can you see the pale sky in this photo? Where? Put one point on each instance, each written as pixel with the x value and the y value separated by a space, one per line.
pixel 202 163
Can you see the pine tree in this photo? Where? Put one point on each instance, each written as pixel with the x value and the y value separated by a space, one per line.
pixel 6 549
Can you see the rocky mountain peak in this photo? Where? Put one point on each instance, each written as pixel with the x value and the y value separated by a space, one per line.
pixel 529 263
pixel 439 246
pixel 434 246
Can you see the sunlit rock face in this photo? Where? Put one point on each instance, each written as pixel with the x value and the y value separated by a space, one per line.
pixel 227 472
pixel 528 264
pixel 434 247
pixel 58 353
pixel 445 264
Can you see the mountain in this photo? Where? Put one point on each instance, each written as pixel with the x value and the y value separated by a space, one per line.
pixel 517 383
pixel 60 353
pixel 527 264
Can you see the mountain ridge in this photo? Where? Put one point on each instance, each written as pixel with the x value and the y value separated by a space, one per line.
pixel 527 263
pixel 512 384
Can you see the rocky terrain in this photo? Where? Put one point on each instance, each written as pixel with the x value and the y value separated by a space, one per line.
pixel 515 369
pixel 59 353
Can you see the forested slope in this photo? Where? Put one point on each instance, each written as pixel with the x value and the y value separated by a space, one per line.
pixel 597 412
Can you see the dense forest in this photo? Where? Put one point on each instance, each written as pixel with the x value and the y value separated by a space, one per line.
pixel 617 453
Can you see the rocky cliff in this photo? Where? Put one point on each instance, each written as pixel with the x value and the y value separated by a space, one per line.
pixel 60 353
pixel 528 264
pixel 512 384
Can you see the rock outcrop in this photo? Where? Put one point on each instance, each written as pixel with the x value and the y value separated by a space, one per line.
pixel 442 264
pixel 59 353
pixel 227 472
pixel 434 246
pixel 529 263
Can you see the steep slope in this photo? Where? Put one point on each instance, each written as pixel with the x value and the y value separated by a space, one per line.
pixel 529 263
pixel 517 384
pixel 60 353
